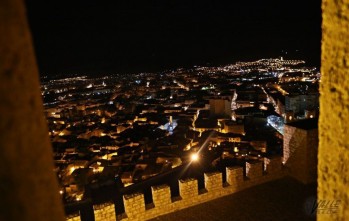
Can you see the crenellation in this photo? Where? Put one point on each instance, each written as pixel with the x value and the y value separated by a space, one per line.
pixel 73 217
pixel 254 170
pixel 135 208
pixel 161 195
pixel 134 204
pixel 273 164
pixel 235 176
pixel 188 188
pixel 104 212
pixel 300 151
pixel 213 181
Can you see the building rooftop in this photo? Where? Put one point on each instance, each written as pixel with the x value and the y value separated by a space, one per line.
pixel 284 199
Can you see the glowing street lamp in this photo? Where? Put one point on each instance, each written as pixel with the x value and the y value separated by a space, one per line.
pixel 78 198
pixel 194 157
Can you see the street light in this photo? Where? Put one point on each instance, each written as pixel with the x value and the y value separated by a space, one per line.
pixel 194 157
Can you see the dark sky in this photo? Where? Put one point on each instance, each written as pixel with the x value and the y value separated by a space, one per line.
pixel 132 36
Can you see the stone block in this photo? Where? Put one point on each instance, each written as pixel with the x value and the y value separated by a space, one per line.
pixel 235 175
pixel 134 204
pixel 188 188
pixel 213 181
pixel 161 195
pixel 254 169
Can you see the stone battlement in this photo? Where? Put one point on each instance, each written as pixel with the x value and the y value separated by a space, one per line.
pixel 237 179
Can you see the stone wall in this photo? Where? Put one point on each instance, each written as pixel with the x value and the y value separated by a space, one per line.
pixel 104 212
pixel 254 170
pixel 213 181
pixel 294 138
pixel 300 150
pixel 333 167
pixel 235 177
pixel 312 160
pixel 161 195
pixel 272 165
pixel 73 217
pixel 188 188
pixel 29 188
pixel 134 205
pixel 257 172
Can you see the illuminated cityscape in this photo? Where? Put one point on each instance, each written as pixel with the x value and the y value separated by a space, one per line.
pixel 130 128
pixel 172 110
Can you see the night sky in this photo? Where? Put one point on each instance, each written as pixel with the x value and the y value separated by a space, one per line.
pixel 129 36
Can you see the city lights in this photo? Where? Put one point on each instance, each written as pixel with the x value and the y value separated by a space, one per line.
pixel 154 107
pixel 120 119
pixel 194 157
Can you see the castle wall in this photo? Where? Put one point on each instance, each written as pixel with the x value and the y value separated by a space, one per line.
pixel 161 195
pixel 74 217
pixel 235 177
pixel 213 181
pixel 333 153
pixel 135 209
pixel 300 151
pixel 254 171
pixel 188 188
pixel 29 187
pixel 134 205
pixel 104 212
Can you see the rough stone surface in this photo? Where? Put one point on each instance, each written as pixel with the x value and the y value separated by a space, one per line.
pixel 258 203
pixel 188 188
pixel 235 176
pixel 135 209
pixel 333 167
pixel 161 195
pixel 75 217
pixel 105 212
pixel 28 187
pixel 134 204
pixel 272 165
pixel 254 170
pixel 213 181
pixel 300 153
